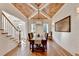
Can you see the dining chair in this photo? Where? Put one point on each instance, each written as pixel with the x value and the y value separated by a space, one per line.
pixel 44 44
pixel 46 36
pixel 30 36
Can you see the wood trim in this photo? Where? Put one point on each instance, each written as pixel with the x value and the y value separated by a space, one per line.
pixel 10 22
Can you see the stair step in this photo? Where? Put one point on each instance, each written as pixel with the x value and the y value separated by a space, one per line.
pixel 14 39
pixel 11 38
pixel 4 33
pixel 8 46
pixel 1 29
pixel 8 35
pixel 4 36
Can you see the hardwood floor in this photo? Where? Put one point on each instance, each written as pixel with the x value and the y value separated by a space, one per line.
pixel 53 49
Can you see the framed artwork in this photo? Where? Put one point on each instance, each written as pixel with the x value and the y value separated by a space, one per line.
pixel 64 25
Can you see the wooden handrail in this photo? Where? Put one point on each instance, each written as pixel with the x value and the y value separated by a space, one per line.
pixel 10 22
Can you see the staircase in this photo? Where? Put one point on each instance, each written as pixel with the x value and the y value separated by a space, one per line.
pixel 9 35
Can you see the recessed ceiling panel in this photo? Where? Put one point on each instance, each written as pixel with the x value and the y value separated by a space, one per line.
pixel 24 8
pixel 52 8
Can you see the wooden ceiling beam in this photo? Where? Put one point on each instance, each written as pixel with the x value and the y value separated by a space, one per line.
pixel 32 6
pixel 44 6
pixel 48 9
pixel 45 15
pixel 33 14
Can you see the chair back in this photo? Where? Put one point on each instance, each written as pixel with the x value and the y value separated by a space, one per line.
pixel 46 36
pixel 44 42
pixel 30 35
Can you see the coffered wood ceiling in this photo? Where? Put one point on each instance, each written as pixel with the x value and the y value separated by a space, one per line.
pixel 24 8
pixel 36 5
pixel 52 8
pixel 41 16
pixel 30 10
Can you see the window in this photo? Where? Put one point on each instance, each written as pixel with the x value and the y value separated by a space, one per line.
pixel 45 26
pixel 33 27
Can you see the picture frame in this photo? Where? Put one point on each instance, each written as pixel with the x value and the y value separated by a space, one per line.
pixel 63 25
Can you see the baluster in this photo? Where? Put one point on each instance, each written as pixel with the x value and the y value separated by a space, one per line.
pixel 4 24
pixel 13 32
pixel 1 22
pixel 8 27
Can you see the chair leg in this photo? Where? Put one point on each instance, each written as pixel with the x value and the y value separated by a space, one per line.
pixel 46 47
pixel 43 48
pixel 30 46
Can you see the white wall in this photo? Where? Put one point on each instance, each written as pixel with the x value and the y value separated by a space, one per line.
pixel 68 40
pixel 8 7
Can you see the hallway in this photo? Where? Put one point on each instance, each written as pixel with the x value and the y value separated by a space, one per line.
pixel 42 21
pixel 53 49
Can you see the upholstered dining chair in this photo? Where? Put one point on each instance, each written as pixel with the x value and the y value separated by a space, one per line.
pixel 30 36
pixel 46 36
pixel 44 43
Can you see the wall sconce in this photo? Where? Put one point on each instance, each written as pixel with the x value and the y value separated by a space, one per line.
pixel 77 9
pixel 53 23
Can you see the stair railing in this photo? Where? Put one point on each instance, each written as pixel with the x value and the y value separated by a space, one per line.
pixel 9 28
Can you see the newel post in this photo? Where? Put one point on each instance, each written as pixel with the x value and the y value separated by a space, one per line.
pixel 20 38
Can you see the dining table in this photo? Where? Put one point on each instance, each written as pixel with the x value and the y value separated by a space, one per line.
pixel 37 42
